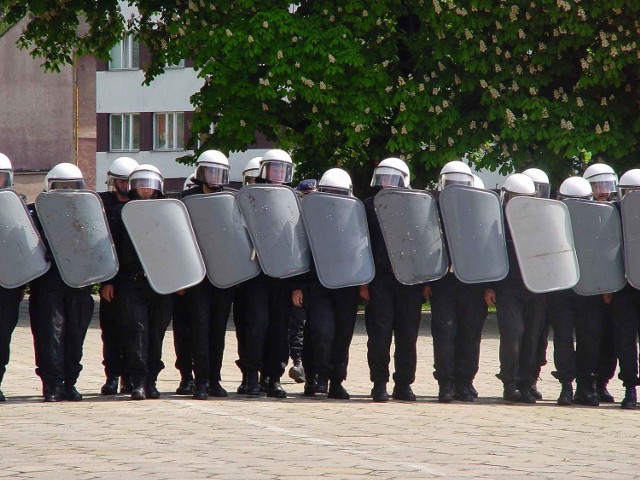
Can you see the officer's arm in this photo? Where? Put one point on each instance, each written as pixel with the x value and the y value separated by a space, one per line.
pixel 364 292
pixel 107 292
pixel 490 296
pixel 297 297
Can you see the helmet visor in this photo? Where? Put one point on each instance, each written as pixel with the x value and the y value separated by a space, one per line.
pixel 118 184
pixel 543 190
pixel 603 189
pixel 387 177
pixel 6 178
pixel 335 190
pixel 152 182
pixel 59 184
pixel 455 178
pixel 212 174
pixel 506 195
pixel 276 171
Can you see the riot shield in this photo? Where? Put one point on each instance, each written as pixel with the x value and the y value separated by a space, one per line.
pixel 543 241
pixel 339 238
pixel 630 208
pixel 166 245
pixel 474 228
pixel 597 235
pixel 222 238
pixel 76 228
pixel 272 216
pixel 22 256
pixel 410 226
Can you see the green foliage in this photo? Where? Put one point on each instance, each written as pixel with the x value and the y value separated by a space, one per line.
pixel 550 83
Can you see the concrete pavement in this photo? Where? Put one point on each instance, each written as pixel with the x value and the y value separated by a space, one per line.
pixel 240 438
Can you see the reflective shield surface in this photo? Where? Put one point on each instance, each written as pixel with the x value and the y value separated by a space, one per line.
pixel 339 238
pixel 272 216
pixel 224 242
pixel 474 228
pixel 76 228
pixel 410 225
pixel 163 237
pixel 630 208
pixel 22 256
pixel 543 240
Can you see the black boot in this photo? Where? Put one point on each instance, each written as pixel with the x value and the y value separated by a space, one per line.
pixel 2 397
pixel 152 390
pixel 403 392
pixel 242 388
pixel 71 394
pixel 535 393
pixel 463 393
pixel 264 382
pixel 275 390
pixel 53 393
pixel 525 394
pixel 603 394
pixel 379 392
pixel 445 391
pixel 138 392
pixel 310 386
pixel 511 393
pixel 566 394
pixel 586 394
pixel 200 391
pixel 322 385
pixel 296 372
pixel 216 390
pixel 125 385
pixel 630 400
pixel 110 387
pixel 253 386
pixel 337 391
pixel 185 387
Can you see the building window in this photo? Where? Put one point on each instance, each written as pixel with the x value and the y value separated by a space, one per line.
pixel 124 132
pixel 125 55
pixel 168 131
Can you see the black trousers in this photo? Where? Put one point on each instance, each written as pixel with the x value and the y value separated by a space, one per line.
pixel 458 314
pixel 209 308
pixel 60 317
pixel 521 317
pixel 608 360
pixel 146 316
pixel 10 299
pixel 297 320
pixel 571 314
pixel 331 322
pixel 112 333
pixel 393 312
pixel 626 316
pixel 265 343
pixel 182 336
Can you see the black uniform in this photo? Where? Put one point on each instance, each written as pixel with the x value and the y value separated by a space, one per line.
pixel 626 322
pixel 394 310
pixel 60 316
pixel 10 299
pixel 182 341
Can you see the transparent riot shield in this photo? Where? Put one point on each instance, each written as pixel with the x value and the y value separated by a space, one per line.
pixel 224 242
pixel 597 235
pixel 22 256
pixel 411 229
pixel 339 238
pixel 76 228
pixel 630 208
pixel 543 241
pixel 474 228
pixel 272 216
pixel 166 245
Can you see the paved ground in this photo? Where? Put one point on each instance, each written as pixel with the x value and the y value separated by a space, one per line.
pixel 239 438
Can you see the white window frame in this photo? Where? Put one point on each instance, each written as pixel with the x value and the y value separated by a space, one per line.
pixel 128 132
pixel 175 136
pixel 128 50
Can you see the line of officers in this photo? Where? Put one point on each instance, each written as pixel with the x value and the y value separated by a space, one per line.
pixel 134 318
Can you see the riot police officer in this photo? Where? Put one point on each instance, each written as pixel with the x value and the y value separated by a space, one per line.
pixel 394 309
pixel 207 306
pixel 520 313
pixel 145 313
pixel 331 314
pixel 117 194
pixel 458 313
pixel 59 314
pixel 571 313
pixel 10 298
pixel 265 311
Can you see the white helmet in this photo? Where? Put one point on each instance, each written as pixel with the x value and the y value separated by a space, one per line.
pixel 146 176
pixel 188 183
pixel 603 179
pixel 120 169
pixel 336 180
pixel 541 181
pixel 212 169
pixel 251 170
pixel 629 182
pixel 276 166
pixel 6 172
pixel 575 187
pixel 477 181
pixel 65 176
pixel 516 185
pixel 391 172
pixel 455 173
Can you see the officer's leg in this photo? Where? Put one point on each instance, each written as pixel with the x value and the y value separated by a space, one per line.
pixel 510 315
pixel 199 301
pixel 78 314
pixel 534 319
pixel 159 308
pixel 562 315
pixel 345 310
pixel 588 338
pixel 239 314
pixel 218 319
pixel 379 324
pixel 444 326
pixel 626 312
pixel 111 345
pixel 608 361
pixel 297 320
pixel 321 329
pixel 135 317
pixel 9 312
pixel 256 323
pixel 278 342
pixel 182 345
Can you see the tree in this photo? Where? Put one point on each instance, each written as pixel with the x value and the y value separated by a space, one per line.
pixel 549 83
